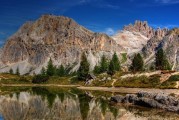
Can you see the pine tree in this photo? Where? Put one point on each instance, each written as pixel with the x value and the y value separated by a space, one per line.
pixel 17 71
pixel 111 70
pixel 60 71
pixel 137 63
pixel 103 65
pixel 84 68
pixel 96 70
pixel 43 71
pixel 116 62
pixel 161 62
pixel 50 68
pixel 11 71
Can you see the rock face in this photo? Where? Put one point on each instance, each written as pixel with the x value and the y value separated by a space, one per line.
pixel 168 41
pixel 63 40
pixel 154 100
pixel 135 37
pixel 133 42
pixel 141 27
pixel 56 37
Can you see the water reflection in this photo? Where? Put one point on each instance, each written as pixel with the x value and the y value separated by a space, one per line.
pixel 69 104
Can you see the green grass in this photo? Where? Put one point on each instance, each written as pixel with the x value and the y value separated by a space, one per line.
pixel 14 79
pixel 170 83
pixel 139 82
pixel 124 57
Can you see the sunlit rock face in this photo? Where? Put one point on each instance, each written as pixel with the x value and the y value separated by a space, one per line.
pixel 56 37
pixel 169 43
pixel 133 42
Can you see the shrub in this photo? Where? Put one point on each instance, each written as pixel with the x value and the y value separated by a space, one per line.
pixel 174 78
pixel 40 79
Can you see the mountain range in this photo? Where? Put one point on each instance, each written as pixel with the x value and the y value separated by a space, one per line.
pixel 64 40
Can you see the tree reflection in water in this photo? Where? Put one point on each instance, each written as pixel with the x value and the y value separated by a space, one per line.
pixel 40 103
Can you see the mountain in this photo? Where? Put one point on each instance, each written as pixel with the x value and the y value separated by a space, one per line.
pixel 134 37
pixel 63 40
pixel 56 37
pixel 141 38
pixel 169 42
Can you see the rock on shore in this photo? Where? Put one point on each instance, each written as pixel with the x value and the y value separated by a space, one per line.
pixel 152 100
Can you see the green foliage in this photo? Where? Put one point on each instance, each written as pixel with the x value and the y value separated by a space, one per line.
pixel 43 71
pixel 116 62
pixel 124 57
pixel 139 82
pixel 11 71
pixel 60 71
pixel 96 70
pixel 40 79
pixel 170 83
pixel 174 78
pixel 161 62
pixel 103 64
pixel 111 70
pixel 137 63
pixel 17 71
pixel 84 68
pixel 50 68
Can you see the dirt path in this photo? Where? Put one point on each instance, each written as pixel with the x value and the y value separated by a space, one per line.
pixel 130 90
pixel 113 83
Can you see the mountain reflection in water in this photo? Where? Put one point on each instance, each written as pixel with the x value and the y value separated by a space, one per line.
pixel 39 103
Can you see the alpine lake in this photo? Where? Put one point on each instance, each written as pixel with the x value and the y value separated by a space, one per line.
pixel 62 103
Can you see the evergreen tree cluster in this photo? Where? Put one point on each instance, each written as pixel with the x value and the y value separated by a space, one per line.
pixel 16 72
pixel 137 63
pixel 53 70
pixel 161 62
pixel 108 66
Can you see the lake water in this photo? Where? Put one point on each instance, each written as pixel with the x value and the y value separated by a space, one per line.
pixel 52 103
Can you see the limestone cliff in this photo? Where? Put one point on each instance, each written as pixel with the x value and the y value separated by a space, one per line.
pixel 56 37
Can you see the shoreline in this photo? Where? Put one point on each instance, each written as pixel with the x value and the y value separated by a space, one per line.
pixel 130 90
pixel 105 89
pixel 37 85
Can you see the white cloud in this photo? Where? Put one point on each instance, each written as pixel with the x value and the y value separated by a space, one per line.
pixel 110 31
pixel 2 33
pixel 169 26
pixel 167 1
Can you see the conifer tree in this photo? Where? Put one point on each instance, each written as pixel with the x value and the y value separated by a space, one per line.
pixel 116 62
pixel 137 63
pixel 111 70
pixel 17 71
pixel 161 62
pixel 96 69
pixel 43 71
pixel 11 71
pixel 50 68
pixel 60 71
pixel 103 64
pixel 83 70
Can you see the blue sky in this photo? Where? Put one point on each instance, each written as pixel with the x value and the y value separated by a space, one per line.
pixel 106 16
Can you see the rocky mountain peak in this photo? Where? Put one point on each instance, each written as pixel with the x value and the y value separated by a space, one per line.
pixel 141 27
pixel 56 37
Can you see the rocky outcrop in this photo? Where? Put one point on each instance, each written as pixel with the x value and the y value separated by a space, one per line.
pixel 141 27
pixel 152 100
pixel 133 42
pixel 56 37
pixel 168 42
